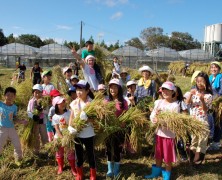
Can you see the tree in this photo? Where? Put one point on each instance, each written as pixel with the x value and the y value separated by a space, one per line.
pixel 31 40
pixel 11 39
pixel 183 41
pixel 156 41
pixel 3 39
pixel 72 44
pixel 150 32
pixel 103 44
pixel 116 45
pixel 49 41
pixel 135 42
pixel 91 39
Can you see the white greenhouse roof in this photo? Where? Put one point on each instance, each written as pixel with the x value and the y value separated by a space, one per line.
pixel 163 52
pixel 18 49
pixel 128 51
pixel 195 54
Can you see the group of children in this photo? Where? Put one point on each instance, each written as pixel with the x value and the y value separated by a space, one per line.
pixel 52 120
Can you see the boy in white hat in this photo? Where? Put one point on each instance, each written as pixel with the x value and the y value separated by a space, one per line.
pixel 146 86
pixel 40 129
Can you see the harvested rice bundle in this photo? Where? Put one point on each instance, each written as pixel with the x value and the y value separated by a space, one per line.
pixel 44 102
pixel 181 124
pixel 176 67
pixel 217 107
pixel 53 146
pixel 23 93
pixel 99 111
pixel 205 67
pixel 59 80
pixel 68 140
pixel 28 138
pixel 146 104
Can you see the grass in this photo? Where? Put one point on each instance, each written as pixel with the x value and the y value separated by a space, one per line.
pixel 133 167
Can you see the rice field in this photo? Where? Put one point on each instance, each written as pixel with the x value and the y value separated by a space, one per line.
pixel 133 166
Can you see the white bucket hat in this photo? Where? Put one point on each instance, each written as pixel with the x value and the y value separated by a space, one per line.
pixel 37 87
pixel 146 68
pixel 129 83
pixel 114 81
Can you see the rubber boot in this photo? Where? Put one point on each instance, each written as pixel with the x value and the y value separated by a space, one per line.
pixel 110 169
pixel 156 171
pixel 191 156
pixel 50 136
pixel 73 167
pixel 79 173
pixel 60 162
pixel 166 174
pixel 116 169
pixel 200 160
pixel 92 174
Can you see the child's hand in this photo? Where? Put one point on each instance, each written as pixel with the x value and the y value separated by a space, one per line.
pixel 73 49
pixel 193 91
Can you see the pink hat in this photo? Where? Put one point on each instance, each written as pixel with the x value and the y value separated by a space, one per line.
pixel 101 87
pixel 169 85
pixel 57 100
pixel 114 81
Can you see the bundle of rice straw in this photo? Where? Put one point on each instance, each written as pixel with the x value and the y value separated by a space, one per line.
pixel 130 122
pixel 28 138
pixel 45 101
pixel 53 146
pixel 217 107
pixel 99 111
pixel 23 93
pixel 146 104
pixel 58 79
pixel 181 124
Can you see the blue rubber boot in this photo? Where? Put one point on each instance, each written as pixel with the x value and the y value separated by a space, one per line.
pixel 116 168
pixel 156 172
pixel 110 169
pixel 166 174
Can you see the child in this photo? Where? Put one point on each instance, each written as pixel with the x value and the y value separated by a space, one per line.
pixel 103 89
pixel 60 121
pixel 67 71
pixel 131 88
pixel 200 99
pixel 8 113
pixel 86 136
pixel 165 138
pixel 47 88
pixel 74 79
pixel 72 93
pixel 50 130
pixel 47 85
pixel 36 70
pixel 40 128
pixel 114 141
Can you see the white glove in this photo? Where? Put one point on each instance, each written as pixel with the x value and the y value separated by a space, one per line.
pixel 83 116
pixel 72 130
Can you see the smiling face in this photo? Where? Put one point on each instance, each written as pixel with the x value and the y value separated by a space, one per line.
pixel 131 89
pixel 9 97
pixel 91 62
pixel 47 79
pixel 114 89
pixel 81 93
pixel 37 94
pixel 201 83
pixel 214 69
pixel 62 105
pixel 167 94
pixel 146 74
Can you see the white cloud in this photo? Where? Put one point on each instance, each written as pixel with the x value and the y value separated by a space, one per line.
pixel 116 16
pixel 101 34
pixel 63 27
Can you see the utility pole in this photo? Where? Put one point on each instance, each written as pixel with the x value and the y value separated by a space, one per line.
pixel 80 43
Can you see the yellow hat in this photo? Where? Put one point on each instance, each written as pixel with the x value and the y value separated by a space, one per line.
pixel 216 62
pixel 194 76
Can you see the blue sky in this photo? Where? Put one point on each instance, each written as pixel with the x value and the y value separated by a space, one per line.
pixel 110 20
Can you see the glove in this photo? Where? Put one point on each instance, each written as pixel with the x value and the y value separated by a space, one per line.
pixel 36 118
pixel 83 116
pixel 72 130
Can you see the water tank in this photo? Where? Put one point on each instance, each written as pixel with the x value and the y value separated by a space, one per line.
pixel 213 33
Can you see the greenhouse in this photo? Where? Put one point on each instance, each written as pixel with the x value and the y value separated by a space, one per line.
pixel 163 52
pixel 128 51
pixel 195 55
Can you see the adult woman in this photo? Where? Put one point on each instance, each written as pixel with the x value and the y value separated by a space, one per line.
pixel 145 86
pixel 216 84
